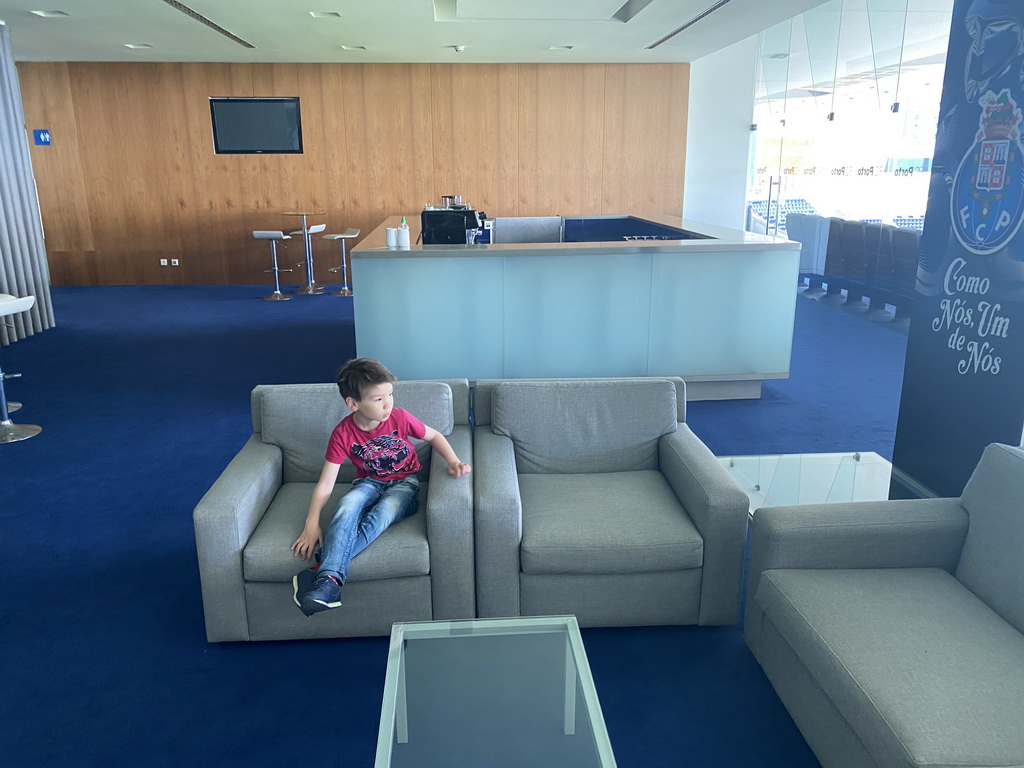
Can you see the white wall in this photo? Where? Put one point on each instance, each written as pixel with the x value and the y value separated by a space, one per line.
pixel 718 135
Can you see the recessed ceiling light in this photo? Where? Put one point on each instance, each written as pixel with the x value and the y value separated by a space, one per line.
pixel 325 14
pixel 137 45
pixel 560 48
pixel 353 47
pixel 51 14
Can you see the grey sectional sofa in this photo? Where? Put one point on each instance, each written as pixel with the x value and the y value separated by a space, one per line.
pixel 893 631
pixel 418 570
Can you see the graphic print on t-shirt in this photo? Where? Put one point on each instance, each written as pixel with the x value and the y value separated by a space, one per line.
pixel 384 455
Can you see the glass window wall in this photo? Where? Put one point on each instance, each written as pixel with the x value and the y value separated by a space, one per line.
pixel 845 113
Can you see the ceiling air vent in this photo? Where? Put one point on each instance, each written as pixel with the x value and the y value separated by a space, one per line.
pixel 212 25
pixel 687 25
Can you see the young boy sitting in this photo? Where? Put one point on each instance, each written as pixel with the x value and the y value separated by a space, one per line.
pixel 375 438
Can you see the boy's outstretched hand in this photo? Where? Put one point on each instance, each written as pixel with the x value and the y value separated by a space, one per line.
pixel 307 543
pixel 459 468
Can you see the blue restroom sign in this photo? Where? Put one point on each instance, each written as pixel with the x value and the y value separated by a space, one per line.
pixel 42 137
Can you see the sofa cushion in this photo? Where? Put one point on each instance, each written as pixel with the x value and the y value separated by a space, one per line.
pixel 584 426
pixel 299 418
pixel 401 550
pixel 924 672
pixel 622 522
pixel 990 562
pixel 483 391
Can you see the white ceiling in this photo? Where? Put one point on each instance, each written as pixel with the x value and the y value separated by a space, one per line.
pixel 390 30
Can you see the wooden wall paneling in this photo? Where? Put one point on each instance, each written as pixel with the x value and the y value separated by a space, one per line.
pixel 611 157
pixel 474 127
pixel 202 246
pixel 63 201
pixel 276 183
pixel 671 176
pixel 155 174
pixel 562 129
pixel 140 179
pixel 576 180
pixel 527 141
pixel 399 151
pixel 99 91
pixel 507 155
pixel 230 181
pixel 592 138
pixel 314 175
pixel 638 107
pixel 650 99
pixel 344 136
pixel 342 161
pixel 652 129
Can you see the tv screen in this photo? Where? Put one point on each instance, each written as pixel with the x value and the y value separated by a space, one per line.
pixel 256 126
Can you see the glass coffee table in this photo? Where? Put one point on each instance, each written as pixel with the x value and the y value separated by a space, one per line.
pixel 491 692
pixel 810 478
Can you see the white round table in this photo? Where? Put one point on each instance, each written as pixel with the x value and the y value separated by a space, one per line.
pixel 12 433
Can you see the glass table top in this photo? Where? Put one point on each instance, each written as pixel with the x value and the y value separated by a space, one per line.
pixel 810 478
pixel 487 692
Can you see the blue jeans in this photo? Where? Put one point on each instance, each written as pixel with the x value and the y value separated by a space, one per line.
pixel 363 514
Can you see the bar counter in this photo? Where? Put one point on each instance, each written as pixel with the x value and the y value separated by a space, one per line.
pixel 716 309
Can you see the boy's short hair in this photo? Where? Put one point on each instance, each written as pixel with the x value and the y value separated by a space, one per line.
pixel 358 375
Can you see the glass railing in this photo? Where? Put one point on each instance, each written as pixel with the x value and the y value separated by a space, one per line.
pixel 810 478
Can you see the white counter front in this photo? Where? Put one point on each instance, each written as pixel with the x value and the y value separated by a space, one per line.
pixel 717 312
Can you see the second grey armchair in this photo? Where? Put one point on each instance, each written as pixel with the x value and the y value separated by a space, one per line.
pixel 594 498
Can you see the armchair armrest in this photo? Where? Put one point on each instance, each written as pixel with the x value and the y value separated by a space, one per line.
pixel 449 513
pixel 224 520
pixel 719 508
pixel 910 533
pixel 499 524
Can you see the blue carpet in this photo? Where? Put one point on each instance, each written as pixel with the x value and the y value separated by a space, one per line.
pixel 143 396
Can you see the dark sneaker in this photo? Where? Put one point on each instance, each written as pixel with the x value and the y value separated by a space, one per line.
pixel 303 582
pixel 324 594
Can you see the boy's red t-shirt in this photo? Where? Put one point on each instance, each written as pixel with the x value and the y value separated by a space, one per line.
pixel 384 453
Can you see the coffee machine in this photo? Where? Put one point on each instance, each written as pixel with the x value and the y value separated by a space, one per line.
pixel 449 222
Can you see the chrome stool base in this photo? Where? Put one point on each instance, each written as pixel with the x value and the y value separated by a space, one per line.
pixel 314 289
pixel 12 433
pixel 273 236
pixel 342 267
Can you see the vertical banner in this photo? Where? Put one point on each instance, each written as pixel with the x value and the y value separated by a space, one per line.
pixel 963 384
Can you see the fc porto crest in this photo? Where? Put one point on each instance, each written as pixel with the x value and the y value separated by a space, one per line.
pixel 987 204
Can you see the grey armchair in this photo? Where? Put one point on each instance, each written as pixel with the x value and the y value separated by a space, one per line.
pixel 419 569
pixel 594 498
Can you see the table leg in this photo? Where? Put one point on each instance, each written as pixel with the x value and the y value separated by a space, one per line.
pixel 401 710
pixel 310 287
pixel 569 727
pixel 309 254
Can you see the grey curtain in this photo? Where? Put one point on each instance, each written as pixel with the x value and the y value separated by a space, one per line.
pixel 23 267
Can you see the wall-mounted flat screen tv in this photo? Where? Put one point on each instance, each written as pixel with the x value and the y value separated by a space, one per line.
pixel 244 126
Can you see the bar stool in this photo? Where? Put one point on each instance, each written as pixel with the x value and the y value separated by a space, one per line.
pixel 311 287
pixel 343 267
pixel 12 433
pixel 273 237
